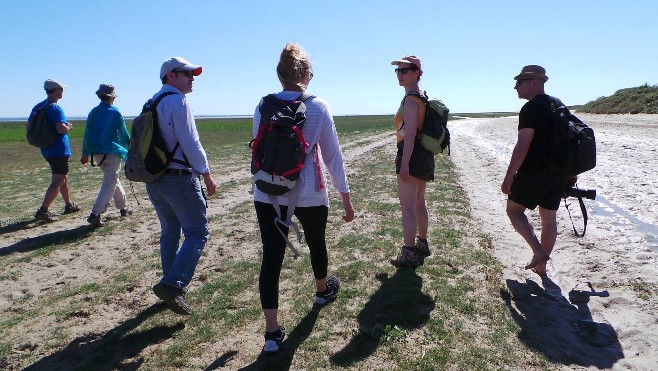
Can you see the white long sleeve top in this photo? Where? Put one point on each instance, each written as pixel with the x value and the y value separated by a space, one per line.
pixel 177 125
pixel 318 129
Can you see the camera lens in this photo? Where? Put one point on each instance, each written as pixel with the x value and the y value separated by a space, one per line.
pixel 589 194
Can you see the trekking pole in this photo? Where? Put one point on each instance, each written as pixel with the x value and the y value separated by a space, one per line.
pixel 132 190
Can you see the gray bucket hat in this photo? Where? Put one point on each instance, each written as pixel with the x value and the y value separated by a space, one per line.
pixel 107 90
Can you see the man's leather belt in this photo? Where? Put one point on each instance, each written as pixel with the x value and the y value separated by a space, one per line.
pixel 178 172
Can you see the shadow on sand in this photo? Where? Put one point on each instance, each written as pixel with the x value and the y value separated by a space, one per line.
pixel 400 302
pixel 109 351
pixel 59 237
pixel 563 330
pixel 283 359
pixel 19 226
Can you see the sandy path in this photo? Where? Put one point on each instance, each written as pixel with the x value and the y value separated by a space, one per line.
pixel 618 254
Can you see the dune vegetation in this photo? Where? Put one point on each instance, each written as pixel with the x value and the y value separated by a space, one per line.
pixel 641 99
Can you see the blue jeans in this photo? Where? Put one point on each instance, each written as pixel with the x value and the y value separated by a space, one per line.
pixel 180 205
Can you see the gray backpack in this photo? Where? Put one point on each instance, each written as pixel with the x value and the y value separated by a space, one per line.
pixel 148 157
pixel 39 132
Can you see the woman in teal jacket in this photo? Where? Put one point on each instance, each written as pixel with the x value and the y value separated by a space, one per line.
pixel 106 140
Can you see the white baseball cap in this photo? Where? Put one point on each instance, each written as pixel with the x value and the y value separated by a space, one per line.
pixel 52 84
pixel 179 63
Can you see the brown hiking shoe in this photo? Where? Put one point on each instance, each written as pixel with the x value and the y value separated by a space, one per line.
pixel 422 248
pixel 406 258
pixel 46 216
pixel 95 220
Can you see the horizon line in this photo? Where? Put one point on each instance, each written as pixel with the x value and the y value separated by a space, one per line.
pixel 130 117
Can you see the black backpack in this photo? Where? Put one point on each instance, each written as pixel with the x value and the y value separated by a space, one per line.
pixel 279 149
pixel 39 132
pixel 148 157
pixel 434 135
pixel 572 147
pixel 278 154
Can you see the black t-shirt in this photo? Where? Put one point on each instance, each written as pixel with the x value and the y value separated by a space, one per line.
pixel 536 115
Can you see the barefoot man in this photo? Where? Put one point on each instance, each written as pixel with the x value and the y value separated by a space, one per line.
pixel 529 182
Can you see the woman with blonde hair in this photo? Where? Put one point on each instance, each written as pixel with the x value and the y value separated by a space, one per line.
pixel 414 165
pixel 312 205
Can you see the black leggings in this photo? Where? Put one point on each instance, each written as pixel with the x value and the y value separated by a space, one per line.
pixel 314 222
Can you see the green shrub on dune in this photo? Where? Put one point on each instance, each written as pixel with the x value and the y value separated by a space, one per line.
pixel 641 99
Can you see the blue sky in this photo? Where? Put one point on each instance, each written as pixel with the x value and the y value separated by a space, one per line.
pixel 470 50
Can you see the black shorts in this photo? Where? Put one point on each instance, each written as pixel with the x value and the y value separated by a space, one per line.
pixel 541 188
pixel 421 164
pixel 58 165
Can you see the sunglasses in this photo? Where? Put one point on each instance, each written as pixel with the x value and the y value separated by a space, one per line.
pixel 519 82
pixel 404 70
pixel 188 74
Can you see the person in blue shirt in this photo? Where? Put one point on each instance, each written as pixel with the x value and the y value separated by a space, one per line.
pixel 106 140
pixel 57 154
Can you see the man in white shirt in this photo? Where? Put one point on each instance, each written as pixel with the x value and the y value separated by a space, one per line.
pixel 177 196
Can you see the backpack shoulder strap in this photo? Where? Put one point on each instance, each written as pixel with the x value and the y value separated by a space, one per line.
pixel 272 97
pixel 48 104
pixel 159 98
pixel 305 96
pixel 423 97
pixel 153 106
pixel 555 101
pixel 552 104
pixel 416 93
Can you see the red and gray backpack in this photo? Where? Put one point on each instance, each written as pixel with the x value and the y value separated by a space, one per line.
pixel 278 155
pixel 279 149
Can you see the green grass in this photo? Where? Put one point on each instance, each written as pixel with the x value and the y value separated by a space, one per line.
pixel 447 314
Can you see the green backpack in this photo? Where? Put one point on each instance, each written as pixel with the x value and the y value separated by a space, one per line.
pixel 148 157
pixel 434 136
pixel 39 132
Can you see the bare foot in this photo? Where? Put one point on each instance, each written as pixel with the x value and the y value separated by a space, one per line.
pixel 537 260
pixel 540 273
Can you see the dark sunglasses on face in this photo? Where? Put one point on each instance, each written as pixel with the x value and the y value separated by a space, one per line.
pixel 188 74
pixel 519 82
pixel 404 70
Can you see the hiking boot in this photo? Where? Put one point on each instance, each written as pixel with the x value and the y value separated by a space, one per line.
pixel 329 295
pixel 46 216
pixel 406 258
pixel 422 248
pixel 126 211
pixel 95 220
pixel 173 298
pixel 273 340
pixel 71 208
